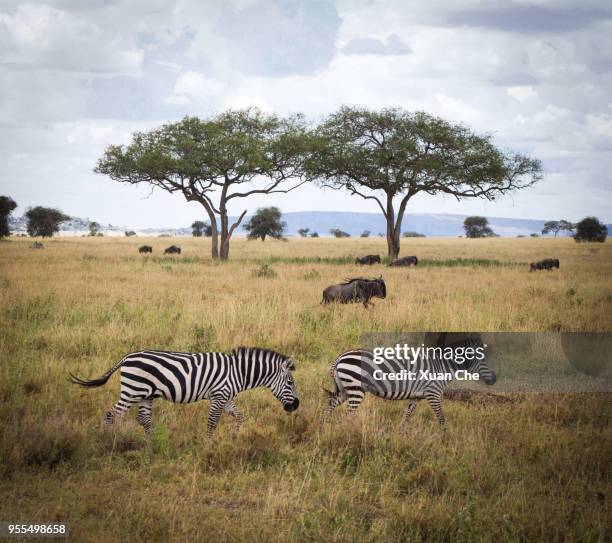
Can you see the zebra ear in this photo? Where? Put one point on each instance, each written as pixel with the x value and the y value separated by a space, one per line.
pixel 289 364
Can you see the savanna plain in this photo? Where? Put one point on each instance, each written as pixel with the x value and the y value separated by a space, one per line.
pixel 533 467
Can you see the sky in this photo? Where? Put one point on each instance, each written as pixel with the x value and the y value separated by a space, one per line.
pixel 77 76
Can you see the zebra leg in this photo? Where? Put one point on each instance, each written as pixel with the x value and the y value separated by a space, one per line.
pixel 335 399
pixel 410 407
pixel 435 401
pixel 217 405
pixel 144 415
pixel 230 407
pixel 355 397
pixel 124 403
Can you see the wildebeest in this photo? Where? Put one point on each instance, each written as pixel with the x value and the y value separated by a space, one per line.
pixel 368 259
pixel 406 261
pixel 546 264
pixel 173 249
pixel 37 245
pixel 145 249
pixel 358 289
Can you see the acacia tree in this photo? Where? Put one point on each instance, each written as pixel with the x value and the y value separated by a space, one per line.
pixel 197 228
pixel 558 226
pixel 477 227
pixel 266 222
pixel 214 162
pixel 7 205
pixel 389 156
pixel 44 221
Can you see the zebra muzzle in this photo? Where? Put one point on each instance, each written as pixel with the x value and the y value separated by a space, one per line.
pixel 289 407
pixel 490 380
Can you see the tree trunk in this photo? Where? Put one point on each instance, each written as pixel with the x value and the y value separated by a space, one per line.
pixel 393 242
pixel 224 252
pixel 214 232
pixel 226 233
pixel 214 238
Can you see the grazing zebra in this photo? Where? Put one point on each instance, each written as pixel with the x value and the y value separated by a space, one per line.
pixel 189 377
pixel 355 372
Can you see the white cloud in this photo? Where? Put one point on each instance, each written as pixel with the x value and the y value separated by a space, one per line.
pixel 76 76
pixel 41 37
pixel 600 125
pixel 191 86
pixel 522 92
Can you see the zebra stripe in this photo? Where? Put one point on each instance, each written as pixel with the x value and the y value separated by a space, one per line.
pixel 190 377
pixel 354 374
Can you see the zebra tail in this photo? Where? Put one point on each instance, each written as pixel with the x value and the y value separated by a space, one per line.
pixel 100 381
pixel 337 388
pixel 330 393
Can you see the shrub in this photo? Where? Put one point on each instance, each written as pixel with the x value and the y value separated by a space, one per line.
pixel 264 270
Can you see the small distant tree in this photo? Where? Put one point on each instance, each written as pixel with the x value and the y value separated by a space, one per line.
pixel 557 226
pixel 94 228
pixel 337 233
pixel 314 235
pixel 365 234
pixel 413 235
pixel 129 233
pixel 534 235
pixel 265 222
pixel 303 232
pixel 44 221
pixel 591 229
pixel 7 205
pixel 477 227
pixel 198 228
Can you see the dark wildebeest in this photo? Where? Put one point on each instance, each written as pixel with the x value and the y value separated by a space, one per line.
pixel 36 245
pixel 406 261
pixel 145 249
pixel 358 289
pixel 546 264
pixel 368 259
pixel 173 249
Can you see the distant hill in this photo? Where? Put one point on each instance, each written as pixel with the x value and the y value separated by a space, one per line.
pixel 430 224
pixel 425 223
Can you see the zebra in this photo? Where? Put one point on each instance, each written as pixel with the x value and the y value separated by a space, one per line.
pixel 354 374
pixel 190 377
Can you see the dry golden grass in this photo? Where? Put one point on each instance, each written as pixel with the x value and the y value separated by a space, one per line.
pixel 536 468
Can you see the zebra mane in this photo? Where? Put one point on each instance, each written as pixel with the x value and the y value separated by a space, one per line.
pixel 259 350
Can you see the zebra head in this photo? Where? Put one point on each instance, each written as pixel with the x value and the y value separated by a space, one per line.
pixel 283 386
pixel 482 368
pixel 475 364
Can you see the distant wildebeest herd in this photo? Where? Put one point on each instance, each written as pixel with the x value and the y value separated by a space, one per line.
pixel 360 289
pixel 369 260
pixel 172 250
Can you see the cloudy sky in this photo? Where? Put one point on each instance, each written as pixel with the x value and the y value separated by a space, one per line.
pixel 76 76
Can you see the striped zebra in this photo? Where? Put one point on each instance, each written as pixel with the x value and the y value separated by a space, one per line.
pixel 189 377
pixel 355 373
